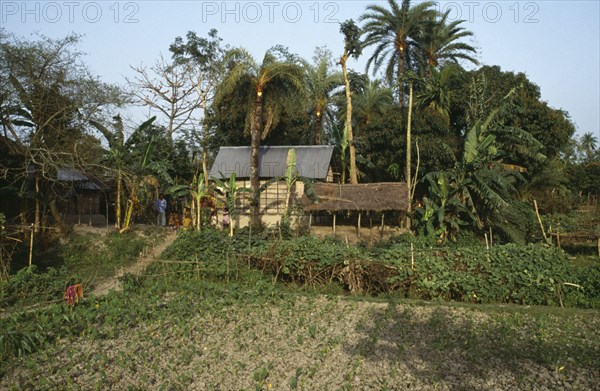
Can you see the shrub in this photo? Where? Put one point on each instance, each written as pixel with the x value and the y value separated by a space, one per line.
pixel 30 286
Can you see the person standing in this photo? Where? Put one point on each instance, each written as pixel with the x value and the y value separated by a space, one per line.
pixel 161 207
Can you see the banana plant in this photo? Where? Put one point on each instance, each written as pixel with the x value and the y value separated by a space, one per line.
pixel 198 190
pixel 145 173
pixel 230 190
pixel 443 213
pixel 118 150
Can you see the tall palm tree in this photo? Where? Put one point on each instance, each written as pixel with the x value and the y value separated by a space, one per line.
pixel 321 84
pixel 439 43
pixel 588 144
pixel 267 87
pixel 394 32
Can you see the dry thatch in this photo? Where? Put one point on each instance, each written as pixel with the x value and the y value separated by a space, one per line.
pixel 376 197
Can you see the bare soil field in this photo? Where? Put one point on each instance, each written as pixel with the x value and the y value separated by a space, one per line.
pixel 323 343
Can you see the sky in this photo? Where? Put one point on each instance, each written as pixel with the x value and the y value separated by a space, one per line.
pixel 555 43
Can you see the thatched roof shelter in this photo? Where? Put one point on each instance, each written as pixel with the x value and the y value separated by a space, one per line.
pixel 376 197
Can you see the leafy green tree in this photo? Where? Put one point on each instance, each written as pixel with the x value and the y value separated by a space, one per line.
pixel 395 32
pixel 48 95
pixel 551 127
pixel 205 62
pixel 267 87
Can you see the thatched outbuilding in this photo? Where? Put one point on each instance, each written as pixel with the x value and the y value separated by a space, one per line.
pixel 367 197
pixel 374 197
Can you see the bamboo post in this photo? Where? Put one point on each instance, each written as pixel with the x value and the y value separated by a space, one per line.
pixel 487 248
pixel 491 237
pixel 557 237
pixel 537 213
pixel 358 227
pixel 334 215
pixel 78 210
pixel 31 245
pixel 228 267
pixel 309 222
pixel 382 224
pixel 412 257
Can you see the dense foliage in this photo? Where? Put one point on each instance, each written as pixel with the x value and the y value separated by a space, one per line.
pixel 531 274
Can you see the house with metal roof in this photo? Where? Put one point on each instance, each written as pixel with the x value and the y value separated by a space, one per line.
pixel 312 161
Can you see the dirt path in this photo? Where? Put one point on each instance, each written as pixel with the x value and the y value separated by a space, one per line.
pixel 137 268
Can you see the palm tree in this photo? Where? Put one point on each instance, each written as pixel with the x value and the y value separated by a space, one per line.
pixel 439 43
pixel 267 87
pixel 371 102
pixel 435 94
pixel 395 33
pixel 588 144
pixel 321 83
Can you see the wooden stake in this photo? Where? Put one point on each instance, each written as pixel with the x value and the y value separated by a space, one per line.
pixel 487 247
pixel 309 222
pixel 537 213
pixel 491 238
pixel 557 237
pixel 31 245
pixel 358 230
pixel 334 215
pixel 412 257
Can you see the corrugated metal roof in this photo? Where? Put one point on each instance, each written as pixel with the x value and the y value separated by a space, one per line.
pixel 312 161
pixel 70 175
pixel 79 179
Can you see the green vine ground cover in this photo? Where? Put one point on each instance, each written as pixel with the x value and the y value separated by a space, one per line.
pixel 223 314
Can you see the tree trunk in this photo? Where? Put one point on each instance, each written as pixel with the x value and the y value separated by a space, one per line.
pixel 204 168
pixel 254 161
pixel 319 128
pixel 408 159
pixel 401 77
pixel 353 171
pixel 58 220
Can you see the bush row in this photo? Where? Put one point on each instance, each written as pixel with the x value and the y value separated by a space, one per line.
pixel 521 274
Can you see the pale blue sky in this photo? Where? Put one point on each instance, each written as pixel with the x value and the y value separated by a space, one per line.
pixel 555 43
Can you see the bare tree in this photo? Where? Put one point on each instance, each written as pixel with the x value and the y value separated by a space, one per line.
pixel 170 88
